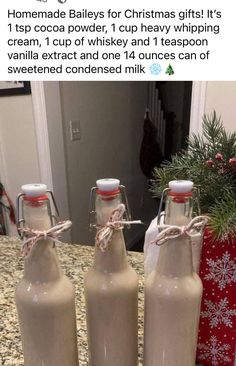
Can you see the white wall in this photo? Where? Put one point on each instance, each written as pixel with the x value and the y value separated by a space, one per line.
pixel 55 136
pixel 111 119
pixel 221 96
pixel 19 156
pixel 56 145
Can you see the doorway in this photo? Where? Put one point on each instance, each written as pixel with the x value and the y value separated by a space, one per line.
pixel 131 94
pixel 109 118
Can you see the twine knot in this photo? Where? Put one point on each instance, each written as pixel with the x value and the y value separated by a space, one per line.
pixel 33 236
pixel 115 222
pixel 192 229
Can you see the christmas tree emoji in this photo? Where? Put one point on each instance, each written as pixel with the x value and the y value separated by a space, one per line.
pixel 170 70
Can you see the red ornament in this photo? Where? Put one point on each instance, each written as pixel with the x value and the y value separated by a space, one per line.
pixel 210 163
pixel 232 161
pixel 219 157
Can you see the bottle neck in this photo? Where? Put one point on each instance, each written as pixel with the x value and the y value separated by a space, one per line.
pixel 105 205
pixel 36 215
pixel 175 258
pixel 42 265
pixel 114 258
pixel 178 210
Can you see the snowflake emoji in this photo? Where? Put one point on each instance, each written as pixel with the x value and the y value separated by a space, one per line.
pixel 218 313
pixel 222 271
pixel 214 351
pixel 155 69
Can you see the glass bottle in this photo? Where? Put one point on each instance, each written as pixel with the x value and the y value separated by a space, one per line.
pixel 173 294
pixel 45 297
pixel 178 211
pixel 111 292
pixel 179 203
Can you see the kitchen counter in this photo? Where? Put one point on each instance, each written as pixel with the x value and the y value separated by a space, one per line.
pixel 75 261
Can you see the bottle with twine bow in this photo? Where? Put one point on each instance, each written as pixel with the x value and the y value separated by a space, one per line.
pixel 179 198
pixel 45 297
pixel 173 291
pixel 111 285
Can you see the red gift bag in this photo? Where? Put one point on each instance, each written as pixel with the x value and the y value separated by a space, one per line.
pixel 217 328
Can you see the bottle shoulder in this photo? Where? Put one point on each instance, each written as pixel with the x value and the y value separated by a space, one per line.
pixel 102 281
pixel 161 284
pixel 57 290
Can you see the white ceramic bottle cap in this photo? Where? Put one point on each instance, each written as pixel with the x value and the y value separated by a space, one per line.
pixel 34 189
pixel 181 186
pixel 108 184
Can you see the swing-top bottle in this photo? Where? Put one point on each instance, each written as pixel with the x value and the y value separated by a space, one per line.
pixel 45 297
pixel 111 291
pixel 173 291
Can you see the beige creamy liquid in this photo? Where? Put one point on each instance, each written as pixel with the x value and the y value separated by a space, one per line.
pixel 111 290
pixel 172 307
pixel 45 302
pixel 177 218
pixel 197 251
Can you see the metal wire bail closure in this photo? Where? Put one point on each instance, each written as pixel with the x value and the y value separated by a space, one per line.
pixel 195 194
pixel 92 219
pixel 34 192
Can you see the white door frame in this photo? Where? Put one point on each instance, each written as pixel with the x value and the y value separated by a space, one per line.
pixel 50 142
pixel 41 132
pixel 42 127
pixel 198 102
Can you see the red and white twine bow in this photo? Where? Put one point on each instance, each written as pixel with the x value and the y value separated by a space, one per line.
pixel 194 227
pixel 115 222
pixel 33 236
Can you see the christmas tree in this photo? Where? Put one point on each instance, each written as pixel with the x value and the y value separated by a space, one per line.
pixel 210 162
pixel 170 70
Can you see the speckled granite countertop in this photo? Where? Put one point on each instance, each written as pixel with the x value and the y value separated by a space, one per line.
pixel 75 260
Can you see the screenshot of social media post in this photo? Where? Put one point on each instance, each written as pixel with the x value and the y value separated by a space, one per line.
pixel 60 40
pixel 117 183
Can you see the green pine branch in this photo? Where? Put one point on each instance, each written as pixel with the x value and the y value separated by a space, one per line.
pixel 208 163
pixel 223 217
